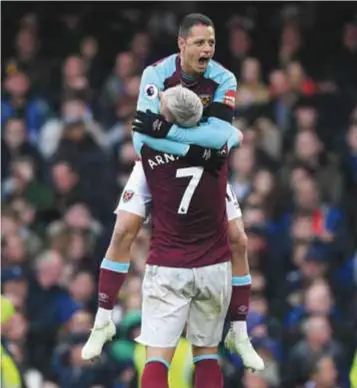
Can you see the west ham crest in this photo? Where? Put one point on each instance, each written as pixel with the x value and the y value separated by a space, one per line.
pixel 205 99
pixel 127 195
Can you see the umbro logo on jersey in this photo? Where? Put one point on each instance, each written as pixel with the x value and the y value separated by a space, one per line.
pixel 243 308
pixel 157 125
pixel 207 154
pixel 103 297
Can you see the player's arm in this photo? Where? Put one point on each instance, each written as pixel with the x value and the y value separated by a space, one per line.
pixel 216 132
pixel 162 145
pixel 150 86
pixel 212 134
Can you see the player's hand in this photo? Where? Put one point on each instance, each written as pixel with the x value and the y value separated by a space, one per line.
pixel 151 124
pixel 211 159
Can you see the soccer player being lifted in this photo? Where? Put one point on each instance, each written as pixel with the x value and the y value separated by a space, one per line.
pixel 193 68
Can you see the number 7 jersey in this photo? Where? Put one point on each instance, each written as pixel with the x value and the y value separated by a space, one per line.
pixel 189 221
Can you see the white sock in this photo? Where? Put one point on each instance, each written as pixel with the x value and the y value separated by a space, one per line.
pixel 240 329
pixel 102 317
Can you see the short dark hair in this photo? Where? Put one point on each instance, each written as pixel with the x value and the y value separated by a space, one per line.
pixel 193 19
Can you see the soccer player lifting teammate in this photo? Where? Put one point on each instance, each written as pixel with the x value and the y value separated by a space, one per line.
pixel 198 146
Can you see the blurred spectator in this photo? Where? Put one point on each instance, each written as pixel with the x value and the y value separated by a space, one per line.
pixel 300 82
pixel 74 83
pixel 140 47
pixel 22 182
pixel 317 301
pixel 11 376
pixel 243 165
pixel 306 117
pixel 255 381
pixel 317 341
pixel 81 322
pixel 15 286
pixel 346 60
pixel 115 86
pixel 65 181
pixel 18 102
pixel 14 251
pixel 73 109
pixel 28 58
pixel 291 45
pixel 49 307
pixel 14 144
pixel 82 289
pixel 125 107
pixel 279 109
pixel 240 45
pixel 323 373
pixel 309 151
pixel 267 349
pixel 80 148
pixel 89 50
pixel 251 90
pixel 350 156
pixel 71 370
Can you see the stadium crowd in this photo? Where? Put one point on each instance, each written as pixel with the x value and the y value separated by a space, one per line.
pixel 70 80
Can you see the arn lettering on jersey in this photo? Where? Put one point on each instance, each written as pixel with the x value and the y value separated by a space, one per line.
pixel 162 159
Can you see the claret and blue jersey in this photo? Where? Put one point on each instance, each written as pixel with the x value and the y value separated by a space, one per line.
pixel 217 90
pixel 188 204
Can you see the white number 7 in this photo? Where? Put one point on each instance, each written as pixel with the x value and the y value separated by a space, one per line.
pixel 195 173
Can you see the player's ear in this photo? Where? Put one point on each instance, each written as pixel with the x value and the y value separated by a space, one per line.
pixel 181 43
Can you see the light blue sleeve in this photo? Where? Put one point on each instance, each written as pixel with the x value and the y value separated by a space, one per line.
pixel 150 86
pixel 227 89
pixel 214 133
pixel 162 145
pixel 233 142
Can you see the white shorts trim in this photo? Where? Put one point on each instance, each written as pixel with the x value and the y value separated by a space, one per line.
pixel 173 297
pixel 136 196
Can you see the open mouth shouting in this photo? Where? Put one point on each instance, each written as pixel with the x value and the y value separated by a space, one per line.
pixel 203 61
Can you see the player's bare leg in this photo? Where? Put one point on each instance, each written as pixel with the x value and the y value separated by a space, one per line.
pixel 208 372
pixel 113 272
pixel 157 366
pixel 237 338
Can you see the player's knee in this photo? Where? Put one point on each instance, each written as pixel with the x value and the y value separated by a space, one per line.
pixel 237 238
pixel 126 228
